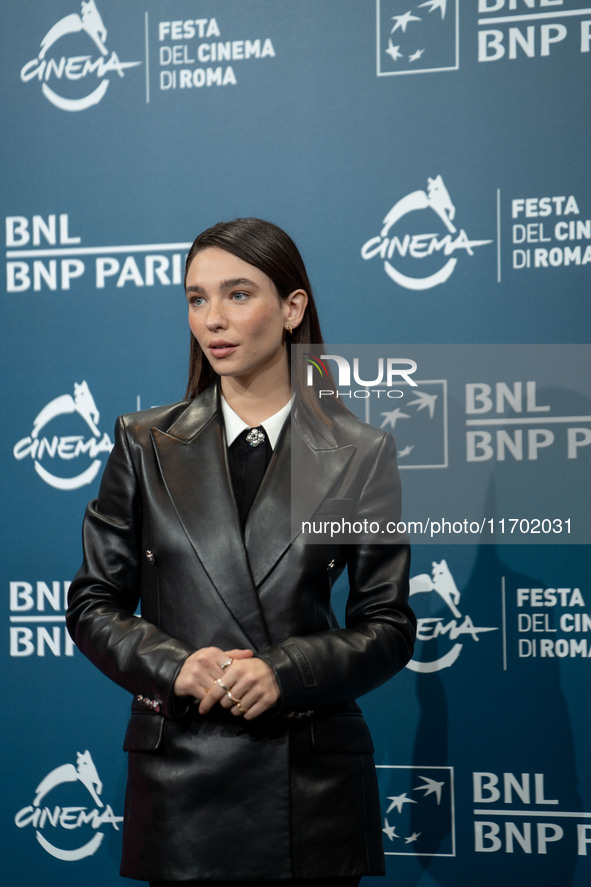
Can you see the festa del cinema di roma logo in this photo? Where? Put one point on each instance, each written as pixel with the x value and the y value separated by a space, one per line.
pixel 433 630
pixel 401 248
pixel 49 67
pixel 43 814
pixel 67 449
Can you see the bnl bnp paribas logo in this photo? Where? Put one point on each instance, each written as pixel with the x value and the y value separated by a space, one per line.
pixel 69 81
pixel 65 443
pixel 417 810
pixel 419 243
pixel 383 392
pixel 417 36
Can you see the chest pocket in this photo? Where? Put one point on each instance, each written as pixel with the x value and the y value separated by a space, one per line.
pixel 336 507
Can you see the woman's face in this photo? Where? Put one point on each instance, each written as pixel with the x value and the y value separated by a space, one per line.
pixel 235 314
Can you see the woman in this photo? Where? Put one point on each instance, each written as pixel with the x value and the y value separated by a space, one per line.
pixel 248 756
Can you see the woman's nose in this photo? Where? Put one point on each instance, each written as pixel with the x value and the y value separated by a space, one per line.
pixel 216 318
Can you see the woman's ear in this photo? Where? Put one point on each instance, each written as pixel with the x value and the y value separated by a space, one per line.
pixel 294 307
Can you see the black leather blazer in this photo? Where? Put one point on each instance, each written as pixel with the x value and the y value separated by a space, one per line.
pixel 294 796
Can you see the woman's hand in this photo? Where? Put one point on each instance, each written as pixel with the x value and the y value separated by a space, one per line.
pixel 247 687
pixel 199 671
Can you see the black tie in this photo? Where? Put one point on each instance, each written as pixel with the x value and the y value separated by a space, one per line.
pixel 249 456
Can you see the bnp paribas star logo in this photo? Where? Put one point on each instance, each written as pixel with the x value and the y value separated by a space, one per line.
pixel 417 810
pixel 417 36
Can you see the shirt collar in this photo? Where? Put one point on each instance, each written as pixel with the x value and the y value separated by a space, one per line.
pixel 234 424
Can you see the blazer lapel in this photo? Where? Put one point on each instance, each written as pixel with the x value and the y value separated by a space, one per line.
pixel 305 467
pixel 192 456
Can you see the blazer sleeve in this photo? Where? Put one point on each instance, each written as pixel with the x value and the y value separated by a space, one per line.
pixel 339 665
pixel 105 592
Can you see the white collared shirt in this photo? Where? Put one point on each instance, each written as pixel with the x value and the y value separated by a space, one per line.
pixel 272 426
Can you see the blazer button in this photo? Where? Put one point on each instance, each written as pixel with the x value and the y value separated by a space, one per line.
pixel 150 557
pixel 330 566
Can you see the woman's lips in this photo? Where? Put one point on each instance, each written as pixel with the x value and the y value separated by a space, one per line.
pixel 222 349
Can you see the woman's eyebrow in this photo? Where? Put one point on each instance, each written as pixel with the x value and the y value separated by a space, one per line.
pixel 224 285
pixel 236 281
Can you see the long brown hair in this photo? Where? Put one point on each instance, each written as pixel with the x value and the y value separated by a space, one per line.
pixel 268 248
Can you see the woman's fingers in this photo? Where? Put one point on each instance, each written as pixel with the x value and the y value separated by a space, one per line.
pixel 202 668
pixel 239 654
pixel 234 679
pixel 252 689
pixel 221 677
pixel 215 694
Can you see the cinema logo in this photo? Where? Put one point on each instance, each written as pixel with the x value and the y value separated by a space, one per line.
pixel 414 259
pixel 440 638
pixel 62 76
pixel 57 824
pixel 514 813
pixel 511 29
pixel 47 449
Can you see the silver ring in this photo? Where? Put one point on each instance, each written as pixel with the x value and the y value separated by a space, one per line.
pixel 221 684
pixel 227 663
pixel 234 699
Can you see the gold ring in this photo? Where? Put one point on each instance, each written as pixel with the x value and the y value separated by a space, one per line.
pixel 226 663
pixel 221 684
pixel 234 699
pixel 241 707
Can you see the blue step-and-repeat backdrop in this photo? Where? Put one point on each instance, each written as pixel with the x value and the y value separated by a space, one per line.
pixel 431 160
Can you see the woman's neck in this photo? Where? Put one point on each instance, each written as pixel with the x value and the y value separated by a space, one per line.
pixel 254 400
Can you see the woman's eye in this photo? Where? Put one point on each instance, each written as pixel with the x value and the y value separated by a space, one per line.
pixel 240 297
pixel 196 301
